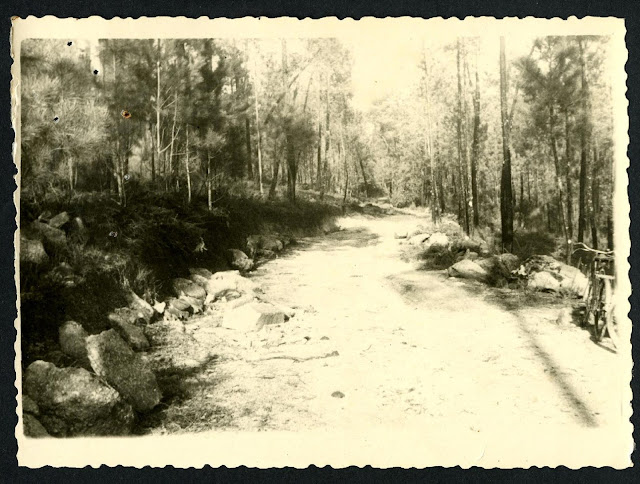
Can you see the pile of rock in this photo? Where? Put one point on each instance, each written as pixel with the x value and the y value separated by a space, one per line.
pixel 544 273
pixel 107 382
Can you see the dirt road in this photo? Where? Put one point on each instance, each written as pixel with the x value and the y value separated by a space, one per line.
pixel 376 342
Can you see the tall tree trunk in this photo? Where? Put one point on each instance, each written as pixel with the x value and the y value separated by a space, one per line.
pixel 556 162
pixel 209 197
pixel 568 162
pixel 584 134
pixel 186 165
pixel 462 165
pixel 259 132
pixel 327 134
pixel 276 169
pixel 506 198
pixel 434 188
pixel 247 131
pixel 595 199
pixel 475 149
pixel 153 167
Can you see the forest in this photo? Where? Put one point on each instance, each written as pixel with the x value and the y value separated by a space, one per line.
pixel 208 224
pixel 519 144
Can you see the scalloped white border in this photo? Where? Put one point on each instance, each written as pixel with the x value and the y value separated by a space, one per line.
pixel 381 447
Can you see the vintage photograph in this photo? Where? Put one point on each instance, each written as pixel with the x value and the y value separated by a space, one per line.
pixel 342 227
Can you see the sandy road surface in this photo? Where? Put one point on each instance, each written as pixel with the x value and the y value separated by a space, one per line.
pixel 375 342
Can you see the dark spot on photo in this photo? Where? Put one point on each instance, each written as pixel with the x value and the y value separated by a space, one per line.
pixel 69 44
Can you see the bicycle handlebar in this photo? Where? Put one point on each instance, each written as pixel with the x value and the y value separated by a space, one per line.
pixel 583 246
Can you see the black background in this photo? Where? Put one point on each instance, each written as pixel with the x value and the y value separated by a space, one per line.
pixel 9 471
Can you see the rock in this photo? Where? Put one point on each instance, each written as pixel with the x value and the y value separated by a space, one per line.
pixel 252 317
pixel 29 406
pixel 329 227
pixel 418 239
pixel 32 427
pixel 572 280
pixel 510 261
pixel 467 269
pixel 199 280
pixel 73 401
pixel 142 308
pixel 223 282
pixel 32 251
pixel 45 216
pixel 500 266
pixel 337 395
pixel 437 242
pixel 272 243
pixel 159 307
pixel 132 334
pixel 54 240
pixel 113 360
pixel 176 313
pixel 258 243
pixel 239 260
pixel 471 255
pixel 196 305
pixel 569 278
pixel 63 274
pixel 543 281
pixel 400 235
pixel 199 271
pixel 188 288
pixel 267 254
pixel 126 315
pixel 179 304
pixel 73 342
pixel 59 220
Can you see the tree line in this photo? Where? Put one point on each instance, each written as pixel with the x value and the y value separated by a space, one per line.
pixel 521 143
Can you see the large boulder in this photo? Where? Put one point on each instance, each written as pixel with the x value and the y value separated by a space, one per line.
pixel 54 240
pixel 543 281
pixel 437 242
pixel 32 251
pixel 569 279
pixel 188 288
pixel 59 220
pixel 572 280
pixel 73 401
pixel 73 342
pixel 500 267
pixel 467 269
pixel 131 333
pixel 239 260
pixel 124 370
pixel 32 427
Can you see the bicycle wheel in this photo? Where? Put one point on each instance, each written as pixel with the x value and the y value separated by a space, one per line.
pixel 599 316
pixel 607 314
pixel 588 304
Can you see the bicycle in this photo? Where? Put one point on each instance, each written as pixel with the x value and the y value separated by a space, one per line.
pixel 599 295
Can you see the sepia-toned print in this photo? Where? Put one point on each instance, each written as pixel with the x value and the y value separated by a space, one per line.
pixel 277 242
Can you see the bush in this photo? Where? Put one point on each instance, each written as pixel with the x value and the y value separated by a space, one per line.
pixel 526 244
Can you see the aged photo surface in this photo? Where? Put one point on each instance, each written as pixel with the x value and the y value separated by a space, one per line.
pixel 281 242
